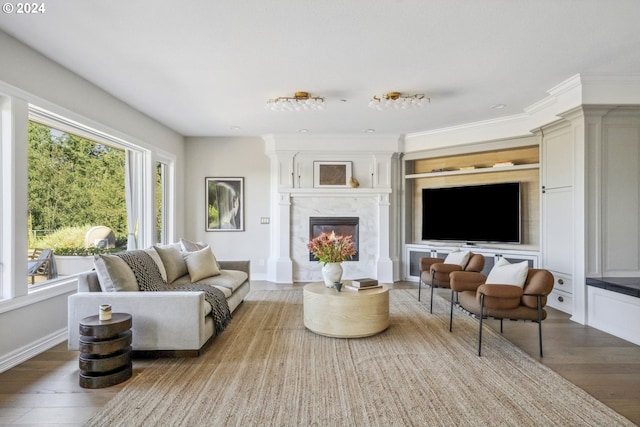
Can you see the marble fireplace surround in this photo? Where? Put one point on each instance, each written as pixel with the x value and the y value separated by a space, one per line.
pixel 371 206
pixel 295 197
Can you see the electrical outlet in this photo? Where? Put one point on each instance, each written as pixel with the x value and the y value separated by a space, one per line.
pixel 264 220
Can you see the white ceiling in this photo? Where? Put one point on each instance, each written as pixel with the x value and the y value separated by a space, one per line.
pixel 202 67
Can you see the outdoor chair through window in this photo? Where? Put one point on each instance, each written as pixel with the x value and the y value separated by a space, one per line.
pixel 41 263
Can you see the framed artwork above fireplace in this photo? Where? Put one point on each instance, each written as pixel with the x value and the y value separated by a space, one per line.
pixel 331 174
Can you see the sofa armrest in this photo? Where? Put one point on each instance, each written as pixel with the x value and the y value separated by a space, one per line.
pixel 161 320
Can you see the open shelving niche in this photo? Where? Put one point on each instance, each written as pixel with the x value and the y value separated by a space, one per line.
pixel 473 171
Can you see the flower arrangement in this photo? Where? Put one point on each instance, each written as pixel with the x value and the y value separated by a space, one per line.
pixel 328 247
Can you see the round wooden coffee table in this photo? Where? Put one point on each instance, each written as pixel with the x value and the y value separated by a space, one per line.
pixel 346 314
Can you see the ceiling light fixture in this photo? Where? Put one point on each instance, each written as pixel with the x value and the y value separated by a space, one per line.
pixel 299 102
pixel 398 101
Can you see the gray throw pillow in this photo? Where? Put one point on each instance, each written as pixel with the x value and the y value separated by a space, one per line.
pixel 173 261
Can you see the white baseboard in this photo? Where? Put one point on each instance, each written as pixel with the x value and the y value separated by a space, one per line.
pixel 16 357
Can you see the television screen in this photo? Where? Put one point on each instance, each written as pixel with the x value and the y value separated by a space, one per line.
pixel 472 213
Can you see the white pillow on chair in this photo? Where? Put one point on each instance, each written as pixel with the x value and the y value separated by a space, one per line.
pixel 458 257
pixel 505 273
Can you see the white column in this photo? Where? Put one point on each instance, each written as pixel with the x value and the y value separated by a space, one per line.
pixel 383 263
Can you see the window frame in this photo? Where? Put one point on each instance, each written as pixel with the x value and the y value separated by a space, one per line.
pixel 17 107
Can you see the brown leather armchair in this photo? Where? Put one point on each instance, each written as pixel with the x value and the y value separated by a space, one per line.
pixel 434 272
pixel 502 301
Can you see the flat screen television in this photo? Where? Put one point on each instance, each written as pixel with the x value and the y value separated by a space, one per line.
pixel 472 213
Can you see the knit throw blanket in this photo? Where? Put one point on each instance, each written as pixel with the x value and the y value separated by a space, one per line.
pixel 149 278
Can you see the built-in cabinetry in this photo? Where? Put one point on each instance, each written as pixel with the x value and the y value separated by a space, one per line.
pixel 556 204
pixel 513 160
pixel 413 253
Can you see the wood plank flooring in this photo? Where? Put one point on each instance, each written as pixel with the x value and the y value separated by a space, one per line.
pixel 44 390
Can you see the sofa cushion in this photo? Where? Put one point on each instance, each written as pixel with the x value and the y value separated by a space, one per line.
pixel 114 274
pixel 201 264
pixel 505 273
pixel 173 261
pixel 230 279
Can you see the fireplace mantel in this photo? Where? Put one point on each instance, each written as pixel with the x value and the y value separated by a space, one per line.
pixel 294 198
pixel 296 206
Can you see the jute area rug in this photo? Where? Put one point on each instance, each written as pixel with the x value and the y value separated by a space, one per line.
pixel 266 369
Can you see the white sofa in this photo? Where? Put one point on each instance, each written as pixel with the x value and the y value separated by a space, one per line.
pixel 172 322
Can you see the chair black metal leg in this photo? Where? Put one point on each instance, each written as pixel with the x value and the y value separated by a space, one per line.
pixel 540 323
pixel 501 325
pixel 481 316
pixel 432 286
pixel 431 303
pixel 451 313
pixel 419 286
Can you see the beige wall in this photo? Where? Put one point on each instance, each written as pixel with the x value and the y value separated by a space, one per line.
pixel 230 157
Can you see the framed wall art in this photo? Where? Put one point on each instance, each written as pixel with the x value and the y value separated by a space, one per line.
pixel 331 174
pixel 225 204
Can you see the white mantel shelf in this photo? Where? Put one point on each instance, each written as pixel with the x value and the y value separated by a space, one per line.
pixel 333 192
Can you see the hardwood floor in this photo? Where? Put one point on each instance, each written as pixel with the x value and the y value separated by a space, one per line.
pixel 44 390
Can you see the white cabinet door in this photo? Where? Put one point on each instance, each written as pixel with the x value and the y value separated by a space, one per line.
pixel 557 159
pixel 557 230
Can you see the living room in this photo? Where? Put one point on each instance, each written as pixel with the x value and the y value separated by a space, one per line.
pixel 597 111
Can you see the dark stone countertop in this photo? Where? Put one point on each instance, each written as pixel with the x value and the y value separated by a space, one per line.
pixel 621 285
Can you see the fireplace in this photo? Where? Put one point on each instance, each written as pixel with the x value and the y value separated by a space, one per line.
pixel 341 225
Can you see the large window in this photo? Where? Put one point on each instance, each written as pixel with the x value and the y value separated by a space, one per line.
pixel 63 175
pixel 76 201
pixel 162 190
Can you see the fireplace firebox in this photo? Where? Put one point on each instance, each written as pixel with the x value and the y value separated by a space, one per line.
pixel 341 225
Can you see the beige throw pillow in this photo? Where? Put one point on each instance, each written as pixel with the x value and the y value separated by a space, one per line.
pixel 114 274
pixel 173 261
pixel 189 246
pixel 201 264
pixel 505 273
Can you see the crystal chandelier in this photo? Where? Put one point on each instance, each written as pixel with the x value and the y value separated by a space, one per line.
pixel 397 101
pixel 299 102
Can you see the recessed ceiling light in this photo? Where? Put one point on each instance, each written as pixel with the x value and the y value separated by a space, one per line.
pixel 498 106
pixel 343 100
pixel 303 130
pixel 235 127
pixel 368 130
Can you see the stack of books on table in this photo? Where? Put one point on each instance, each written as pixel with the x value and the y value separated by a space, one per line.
pixel 362 284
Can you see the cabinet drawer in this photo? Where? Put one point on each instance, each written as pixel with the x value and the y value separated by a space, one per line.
pixel 562 301
pixel 562 282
